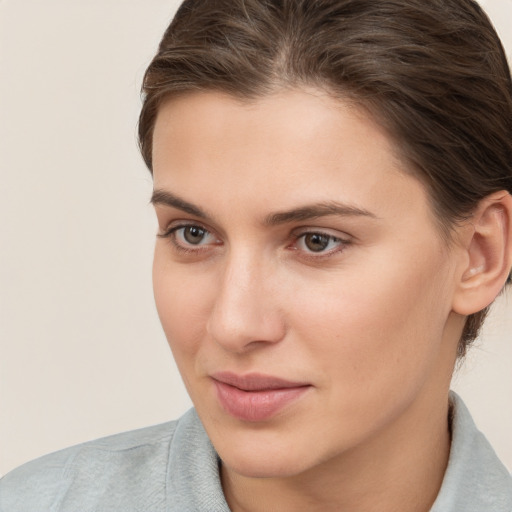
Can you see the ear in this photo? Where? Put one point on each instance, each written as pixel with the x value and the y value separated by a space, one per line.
pixel 487 250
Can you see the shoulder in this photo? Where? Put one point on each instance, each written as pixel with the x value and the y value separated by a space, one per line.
pixel 123 463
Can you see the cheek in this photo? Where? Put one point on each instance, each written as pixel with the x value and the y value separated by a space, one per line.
pixel 375 340
pixel 373 327
pixel 181 299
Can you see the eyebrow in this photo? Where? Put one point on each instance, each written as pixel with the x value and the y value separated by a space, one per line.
pixel 316 211
pixel 164 198
pixel 307 212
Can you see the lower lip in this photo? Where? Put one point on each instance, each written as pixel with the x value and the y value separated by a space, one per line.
pixel 256 406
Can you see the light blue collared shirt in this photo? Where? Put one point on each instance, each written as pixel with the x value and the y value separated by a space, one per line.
pixel 174 468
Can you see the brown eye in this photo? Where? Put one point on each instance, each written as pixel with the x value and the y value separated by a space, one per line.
pixel 317 242
pixel 194 235
pixel 320 243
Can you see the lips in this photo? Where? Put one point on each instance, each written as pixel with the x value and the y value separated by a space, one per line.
pixel 255 397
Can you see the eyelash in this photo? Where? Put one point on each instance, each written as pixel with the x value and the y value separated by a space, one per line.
pixel 171 234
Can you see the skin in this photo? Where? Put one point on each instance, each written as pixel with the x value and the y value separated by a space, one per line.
pixel 368 322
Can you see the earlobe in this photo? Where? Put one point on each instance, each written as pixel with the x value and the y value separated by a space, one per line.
pixel 488 254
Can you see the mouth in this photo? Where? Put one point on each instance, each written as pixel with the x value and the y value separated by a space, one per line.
pixel 256 397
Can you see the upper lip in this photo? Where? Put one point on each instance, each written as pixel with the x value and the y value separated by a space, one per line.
pixel 255 381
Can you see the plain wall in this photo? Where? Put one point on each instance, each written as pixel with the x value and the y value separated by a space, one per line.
pixel 82 354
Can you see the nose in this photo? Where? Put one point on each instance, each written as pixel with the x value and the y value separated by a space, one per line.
pixel 245 313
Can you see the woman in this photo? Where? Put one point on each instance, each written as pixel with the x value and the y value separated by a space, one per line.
pixel 332 185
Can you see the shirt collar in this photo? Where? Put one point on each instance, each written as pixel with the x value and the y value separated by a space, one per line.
pixel 475 479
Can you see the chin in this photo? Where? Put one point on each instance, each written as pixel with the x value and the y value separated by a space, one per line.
pixel 266 465
pixel 264 459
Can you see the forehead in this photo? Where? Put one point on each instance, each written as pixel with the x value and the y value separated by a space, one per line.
pixel 292 146
pixel 278 126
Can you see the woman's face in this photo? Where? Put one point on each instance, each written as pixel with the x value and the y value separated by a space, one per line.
pixel 300 278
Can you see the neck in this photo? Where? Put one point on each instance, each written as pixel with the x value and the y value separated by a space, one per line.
pixel 400 469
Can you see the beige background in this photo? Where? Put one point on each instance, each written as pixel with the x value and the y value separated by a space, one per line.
pixel 82 354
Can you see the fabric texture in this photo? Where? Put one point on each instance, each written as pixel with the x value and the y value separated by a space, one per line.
pixel 174 468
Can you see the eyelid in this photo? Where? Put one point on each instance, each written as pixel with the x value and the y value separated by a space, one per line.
pixel 333 233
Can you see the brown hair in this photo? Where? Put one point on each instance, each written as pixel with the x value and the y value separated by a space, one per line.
pixel 432 72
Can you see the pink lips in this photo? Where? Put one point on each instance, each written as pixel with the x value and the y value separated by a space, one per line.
pixel 255 397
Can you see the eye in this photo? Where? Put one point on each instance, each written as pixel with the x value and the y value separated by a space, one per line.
pixel 190 237
pixel 193 235
pixel 319 243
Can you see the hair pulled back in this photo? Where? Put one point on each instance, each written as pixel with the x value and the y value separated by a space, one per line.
pixel 433 73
